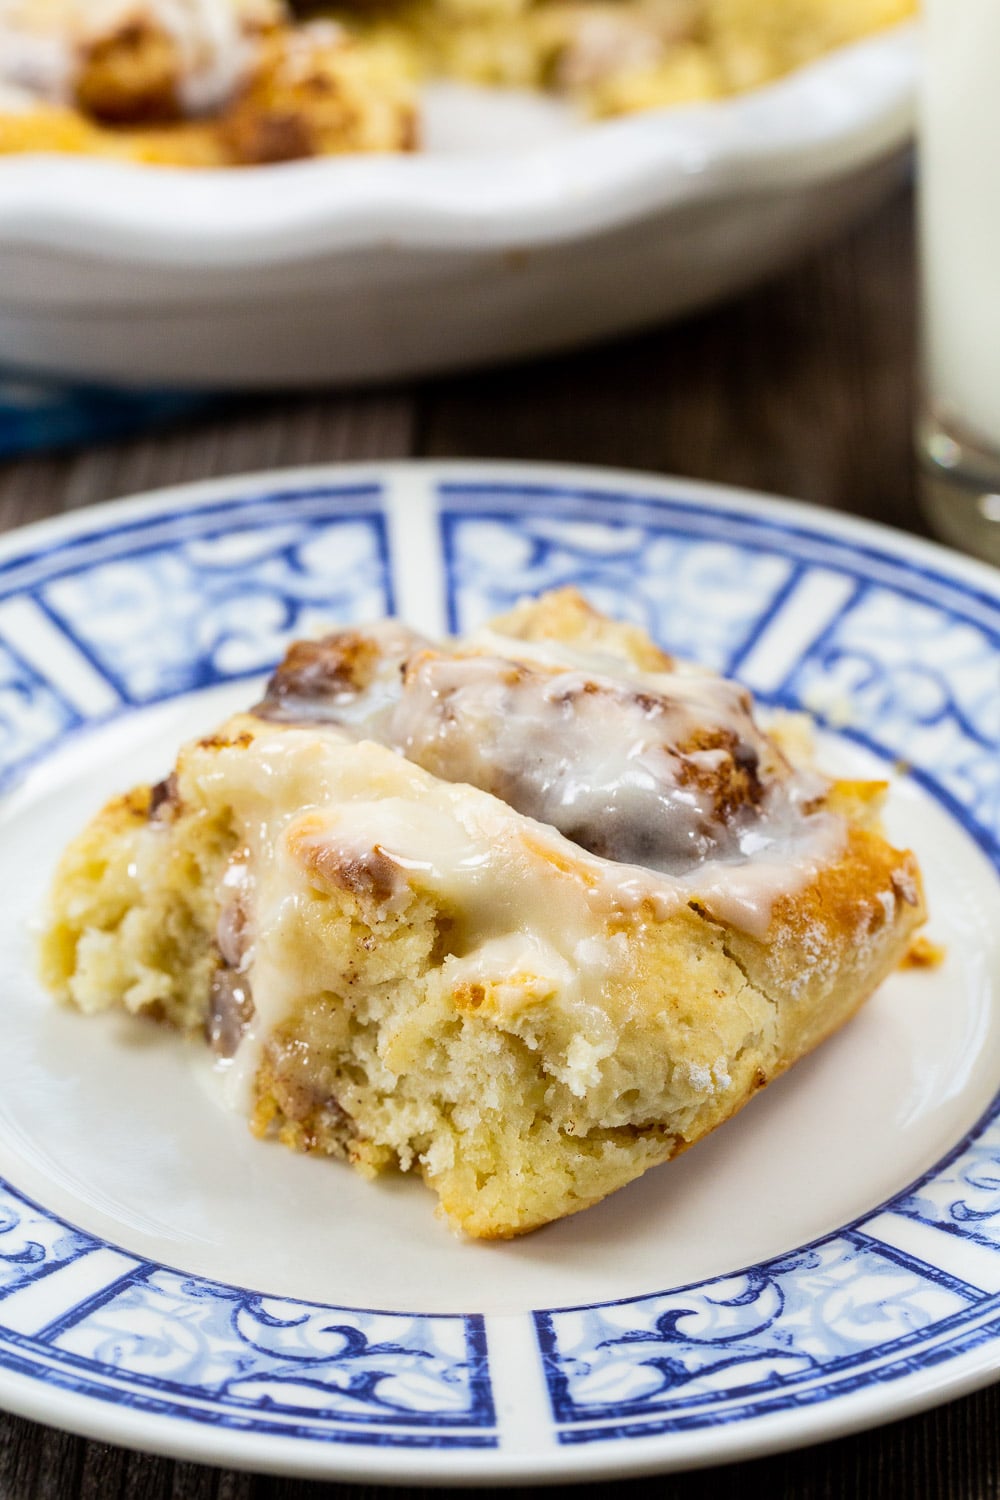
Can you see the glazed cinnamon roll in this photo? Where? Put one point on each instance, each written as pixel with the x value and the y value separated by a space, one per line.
pixel 526 913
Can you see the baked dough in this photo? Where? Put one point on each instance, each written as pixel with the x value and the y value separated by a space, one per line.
pixel 197 83
pixel 528 913
pixel 234 82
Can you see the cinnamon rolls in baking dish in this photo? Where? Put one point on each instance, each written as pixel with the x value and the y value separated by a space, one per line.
pixel 195 83
pixel 215 83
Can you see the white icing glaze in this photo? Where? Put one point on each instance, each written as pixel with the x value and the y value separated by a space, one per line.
pixel 305 803
pixel 596 760
pixel 666 770
pixel 537 913
pixel 742 893
pixel 234 930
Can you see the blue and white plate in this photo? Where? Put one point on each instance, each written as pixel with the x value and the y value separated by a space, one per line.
pixel 829 1260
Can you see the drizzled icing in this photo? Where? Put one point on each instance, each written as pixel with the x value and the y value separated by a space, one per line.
pixel 534 916
pixel 43 43
pixel 533 812
pixel 662 770
pixel 553 800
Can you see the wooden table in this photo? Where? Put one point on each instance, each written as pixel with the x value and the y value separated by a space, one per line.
pixel 802 388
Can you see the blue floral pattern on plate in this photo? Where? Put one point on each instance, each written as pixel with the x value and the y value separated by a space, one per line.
pixel 963 1195
pixel 779 1325
pixel 697 597
pixel 331 1369
pixel 32 1243
pixel 900 653
pixel 223 605
pixel 33 716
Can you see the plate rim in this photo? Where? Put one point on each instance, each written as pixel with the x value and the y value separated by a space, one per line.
pixel 748 1437
pixel 758 1437
pixel 984 577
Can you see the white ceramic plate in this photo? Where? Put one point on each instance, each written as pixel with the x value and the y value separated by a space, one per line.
pixel 829 1260
pixel 519 230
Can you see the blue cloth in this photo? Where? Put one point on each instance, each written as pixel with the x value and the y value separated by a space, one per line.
pixel 35 416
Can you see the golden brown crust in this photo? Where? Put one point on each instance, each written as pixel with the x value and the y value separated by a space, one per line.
pixel 339 663
pixel 565 615
pixel 319 95
pixel 924 953
pixel 131 76
pixel 829 946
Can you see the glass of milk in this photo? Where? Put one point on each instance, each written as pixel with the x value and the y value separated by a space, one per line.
pixel 959 429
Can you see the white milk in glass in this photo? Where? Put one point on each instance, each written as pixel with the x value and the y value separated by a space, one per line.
pixel 960 233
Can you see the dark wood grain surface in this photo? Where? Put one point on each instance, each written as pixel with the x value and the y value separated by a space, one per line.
pixel 802 388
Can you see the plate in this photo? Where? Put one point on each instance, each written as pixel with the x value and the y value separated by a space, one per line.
pixel 520 230
pixel 827 1261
